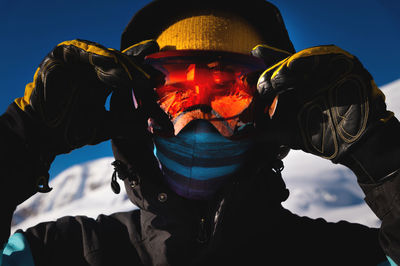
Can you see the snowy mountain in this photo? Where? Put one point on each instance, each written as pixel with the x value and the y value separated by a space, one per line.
pixel 317 187
pixel 80 190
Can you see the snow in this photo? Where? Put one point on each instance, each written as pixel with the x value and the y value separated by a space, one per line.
pixel 392 92
pixel 318 188
pixel 80 190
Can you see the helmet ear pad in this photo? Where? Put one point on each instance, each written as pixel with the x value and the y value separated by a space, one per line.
pixel 132 120
pixel 132 138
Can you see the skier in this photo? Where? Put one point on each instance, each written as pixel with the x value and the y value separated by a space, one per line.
pixel 207 98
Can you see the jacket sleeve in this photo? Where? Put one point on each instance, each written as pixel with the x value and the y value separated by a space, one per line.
pixel 376 163
pixel 24 169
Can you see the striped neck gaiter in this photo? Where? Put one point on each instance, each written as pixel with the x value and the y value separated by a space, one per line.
pixel 199 160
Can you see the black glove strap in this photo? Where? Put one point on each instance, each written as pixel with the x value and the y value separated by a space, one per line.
pixel 383 196
pixel 378 155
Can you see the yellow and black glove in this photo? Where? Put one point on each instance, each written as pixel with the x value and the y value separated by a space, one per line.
pixel 68 94
pixel 327 102
pixel 64 107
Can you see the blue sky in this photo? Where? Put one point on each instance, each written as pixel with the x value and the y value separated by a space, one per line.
pixel 370 29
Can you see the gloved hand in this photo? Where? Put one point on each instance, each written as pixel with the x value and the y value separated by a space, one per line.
pixel 70 88
pixel 329 105
pixel 65 103
pixel 327 102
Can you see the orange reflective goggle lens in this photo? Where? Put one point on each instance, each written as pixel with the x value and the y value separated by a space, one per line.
pixel 206 85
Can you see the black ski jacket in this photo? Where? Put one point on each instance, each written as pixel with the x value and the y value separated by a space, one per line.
pixel 244 225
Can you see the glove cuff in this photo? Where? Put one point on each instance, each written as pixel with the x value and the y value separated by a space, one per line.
pixel 377 157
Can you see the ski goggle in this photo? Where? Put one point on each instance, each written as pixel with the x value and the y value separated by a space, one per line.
pixel 208 85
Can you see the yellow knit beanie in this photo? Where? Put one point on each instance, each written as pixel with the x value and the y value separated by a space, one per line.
pixel 216 31
pixel 208 25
